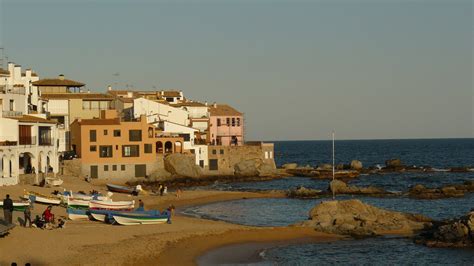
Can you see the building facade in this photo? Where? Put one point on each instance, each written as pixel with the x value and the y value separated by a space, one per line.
pixel 226 126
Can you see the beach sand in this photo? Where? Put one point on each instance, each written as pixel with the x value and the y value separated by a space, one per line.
pixel 93 243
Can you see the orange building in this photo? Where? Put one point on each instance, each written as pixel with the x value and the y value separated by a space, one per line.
pixel 111 148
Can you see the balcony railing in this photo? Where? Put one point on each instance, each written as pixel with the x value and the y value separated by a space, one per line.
pixel 12 113
pixel 4 89
pixel 46 142
pixel 27 140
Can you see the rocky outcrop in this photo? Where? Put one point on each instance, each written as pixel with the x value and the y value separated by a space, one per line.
pixel 355 218
pixel 304 193
pixel 253 167
pixel 324 166
pixel 343 174
pixel 459 169
pixel 356 165
pixel 449 191
pixel 182 165
pixel 289 166
pixel 339 187
pixel 451 233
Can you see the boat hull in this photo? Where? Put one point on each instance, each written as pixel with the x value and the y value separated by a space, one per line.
pixel 112 205
pixel 17 206
pixel 127 220
pixel 77 203
pixel 120 189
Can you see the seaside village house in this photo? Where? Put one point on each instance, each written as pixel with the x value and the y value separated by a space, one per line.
pixel 112 148
pixel 226 126
pixel 28 141
pixel 67 101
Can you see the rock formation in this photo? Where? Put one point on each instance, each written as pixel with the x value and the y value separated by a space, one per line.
pixel 449 191
pixel 182 165
pixel 452 233
pixel 253 167
pixel 289 166
pixel 353 217
pixel 302 192
pixel 356 165
pixel 339 187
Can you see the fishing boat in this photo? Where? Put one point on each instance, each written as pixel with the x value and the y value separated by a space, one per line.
pixel 134 218
pixel 107 215
pixel 19 206
pixel 77 203
pixel 112 205
pixel 77 214
pixel 40 198
pixel 88 197
pixel 124 189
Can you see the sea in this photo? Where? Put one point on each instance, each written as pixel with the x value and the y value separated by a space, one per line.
pixel 441 154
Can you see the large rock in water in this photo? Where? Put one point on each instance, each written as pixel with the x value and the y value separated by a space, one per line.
pixel 353 217
pixel 452 233
pixel 254 167
pixel 339 187
pixel 182 165
pixel 356 165
pixel 290 166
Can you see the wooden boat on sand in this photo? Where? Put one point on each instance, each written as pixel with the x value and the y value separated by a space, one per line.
pixel 40 198
pixel 124 189
pixel 112 205
pixel 134 218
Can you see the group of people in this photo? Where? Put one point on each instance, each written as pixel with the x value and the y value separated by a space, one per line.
pixel 46 220
pixel 163 189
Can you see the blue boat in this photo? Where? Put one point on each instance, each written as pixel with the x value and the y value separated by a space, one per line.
pixel 108 215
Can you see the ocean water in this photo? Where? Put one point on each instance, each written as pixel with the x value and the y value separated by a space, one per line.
pixel 440 154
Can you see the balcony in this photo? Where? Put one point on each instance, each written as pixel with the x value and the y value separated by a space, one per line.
pixel 46 142
pixel 27 140
pixel 12 113
pixel 4 89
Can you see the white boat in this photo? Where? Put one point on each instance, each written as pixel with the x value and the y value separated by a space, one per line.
pixel 88 197
pixel 98 216
pixel 111 205
pixel 137 219
pixel 55 182
pixel 77 214
pixel 40 198
pixel 77 203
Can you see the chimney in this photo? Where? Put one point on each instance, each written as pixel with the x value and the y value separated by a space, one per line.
pixel 109 88
pixel 61 77
pixel 181 93
pixel 214 105
pixel 205 103
pixel 88 90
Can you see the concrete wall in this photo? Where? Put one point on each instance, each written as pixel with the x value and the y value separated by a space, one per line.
pixel 128 173
pixel 156 111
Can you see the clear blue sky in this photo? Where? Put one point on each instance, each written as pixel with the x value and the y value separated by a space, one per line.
pixel 369 69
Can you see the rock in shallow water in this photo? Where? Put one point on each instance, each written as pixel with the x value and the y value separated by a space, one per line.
pixel 355 218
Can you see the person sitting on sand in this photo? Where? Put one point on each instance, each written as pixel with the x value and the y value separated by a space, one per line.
pixel 38 222
pixel 48 216
pixel 141 205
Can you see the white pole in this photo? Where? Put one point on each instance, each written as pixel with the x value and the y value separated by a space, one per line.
pixel 333 163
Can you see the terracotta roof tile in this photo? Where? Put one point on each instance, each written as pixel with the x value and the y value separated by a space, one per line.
pixel 223 110
pixel 58 82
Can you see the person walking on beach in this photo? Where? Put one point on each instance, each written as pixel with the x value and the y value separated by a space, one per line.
pixel 178 193
pixel 7 209
pixel 162 189
pixel 27 213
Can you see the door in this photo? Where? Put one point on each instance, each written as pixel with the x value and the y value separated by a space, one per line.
pixel 213 164
pixel 201 163
pixel 94 171
pixel 140 170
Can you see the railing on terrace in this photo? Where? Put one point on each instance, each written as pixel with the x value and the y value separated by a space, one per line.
pixel 28 140
pixel 4 89
pixel 12 113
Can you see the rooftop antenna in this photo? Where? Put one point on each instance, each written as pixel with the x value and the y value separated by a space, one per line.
pixel 333 163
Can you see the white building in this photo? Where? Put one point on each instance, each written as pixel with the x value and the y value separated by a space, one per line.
pixel 156 111
pixel 28 145
pixel 198 114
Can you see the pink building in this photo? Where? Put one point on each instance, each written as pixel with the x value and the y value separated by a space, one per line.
pixel 226 125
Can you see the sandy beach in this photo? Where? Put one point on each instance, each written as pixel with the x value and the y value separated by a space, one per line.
pixel 179 243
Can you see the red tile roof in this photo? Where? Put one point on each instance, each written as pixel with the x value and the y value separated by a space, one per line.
pixel 223 110
pixel 83 95
pixel 33 119
pixel 57 82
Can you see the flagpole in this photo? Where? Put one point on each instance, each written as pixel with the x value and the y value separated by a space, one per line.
pixel 333 164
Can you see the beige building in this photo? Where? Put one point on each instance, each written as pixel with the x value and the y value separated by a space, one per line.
pixel 111 148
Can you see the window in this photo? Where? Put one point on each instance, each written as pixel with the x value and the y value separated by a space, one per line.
pixel 122 167
pixel 135 135
pixel 93 148
pixel 86 105
pixel 92 136
pixel 106 168
pixel 150 132
pixel 148 148
pixel 221 151
pixel 169 99
pixel 238 122
pixel 116 147
pixel 227 121
pixel 12 105
pixel 117 133
pixel 105 151
pixel 130 151
pixel 214 151
pixel 106 132
pixel 192 151
pixel 233 121
pixel 218 122
pixel 185 137
pixel 114 167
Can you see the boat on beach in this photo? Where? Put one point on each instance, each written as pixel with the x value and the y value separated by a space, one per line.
pixel 112 205
pixel 19 206
pixel 107 215
pixel 77 203
pixel 40 198
pixel 124 189
pixel 77 214
pixel 54 182
pixel 134 218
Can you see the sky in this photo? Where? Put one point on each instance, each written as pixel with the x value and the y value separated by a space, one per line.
pixel 297 69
